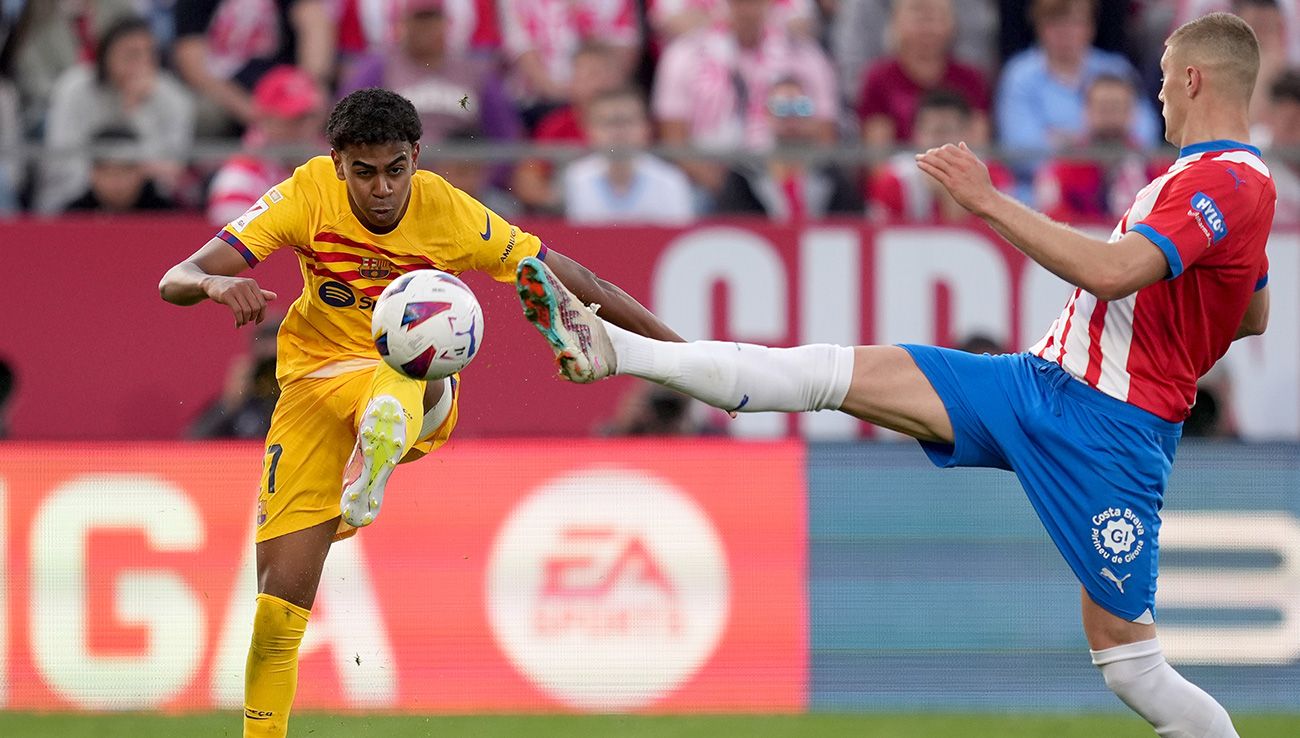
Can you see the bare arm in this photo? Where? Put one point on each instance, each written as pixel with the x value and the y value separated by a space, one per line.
pixel 1255 321
pixel 1111 271
pixel 616 306
pixel 210 274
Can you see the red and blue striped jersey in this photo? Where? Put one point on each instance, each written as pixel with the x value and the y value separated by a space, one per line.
pixel 1210 215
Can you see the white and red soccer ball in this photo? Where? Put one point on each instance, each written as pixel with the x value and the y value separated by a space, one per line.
pixel 427 324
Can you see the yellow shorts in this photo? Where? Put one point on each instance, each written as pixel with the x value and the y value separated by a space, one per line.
pixel 313 432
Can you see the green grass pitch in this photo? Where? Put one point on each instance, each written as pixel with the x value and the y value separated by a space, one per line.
pixel 871 725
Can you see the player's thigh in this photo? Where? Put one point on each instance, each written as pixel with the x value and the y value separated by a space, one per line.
pixel 289 566
pixel 888 389
pixel 1096 476
pixel 1104 528
pixel 1104 629
pixel 307 447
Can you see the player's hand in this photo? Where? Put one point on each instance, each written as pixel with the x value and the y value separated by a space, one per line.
pixel 962 174
pixel 242 295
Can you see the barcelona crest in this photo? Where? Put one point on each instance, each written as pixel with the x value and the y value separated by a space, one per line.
pixel 375 268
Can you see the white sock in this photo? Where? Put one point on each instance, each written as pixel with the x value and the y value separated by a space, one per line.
pixel 437 414
pixel 1176 708
pixel 740 376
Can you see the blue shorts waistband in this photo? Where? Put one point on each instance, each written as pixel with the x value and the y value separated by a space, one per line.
pixel 1103 402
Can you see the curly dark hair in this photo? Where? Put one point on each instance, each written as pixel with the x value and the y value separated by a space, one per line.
pixel 373 116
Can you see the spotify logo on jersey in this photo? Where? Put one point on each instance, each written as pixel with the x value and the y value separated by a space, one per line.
pixel 336 294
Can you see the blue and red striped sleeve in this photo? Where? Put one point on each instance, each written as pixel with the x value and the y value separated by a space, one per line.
pixel 239 246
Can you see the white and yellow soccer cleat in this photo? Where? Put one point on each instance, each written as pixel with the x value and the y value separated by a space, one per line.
pixel 578 338
pixel 380 444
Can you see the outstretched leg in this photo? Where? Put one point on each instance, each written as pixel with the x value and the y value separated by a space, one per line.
pixel 1135 669
pixel 738 377
pixel 878 384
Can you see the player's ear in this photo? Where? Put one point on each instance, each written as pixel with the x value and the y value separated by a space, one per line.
pixel 415 156
pixel 338 164
pixel 1193 82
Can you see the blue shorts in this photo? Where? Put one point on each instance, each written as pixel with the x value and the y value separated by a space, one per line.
pixel 1094 467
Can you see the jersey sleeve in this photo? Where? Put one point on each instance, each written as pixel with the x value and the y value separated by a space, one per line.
pixel 485 241
pixel 1196 211
pixel 281 217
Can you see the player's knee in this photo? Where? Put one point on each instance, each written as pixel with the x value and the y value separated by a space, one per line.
pixel 829 384
pixel 278 625
pixel 1115 680
pixel 1122 665
pixel 792 380
pixel 818 375
pixel 1139 675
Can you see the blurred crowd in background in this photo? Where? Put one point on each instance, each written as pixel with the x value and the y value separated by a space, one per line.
pixel 124 105
pixel 615 112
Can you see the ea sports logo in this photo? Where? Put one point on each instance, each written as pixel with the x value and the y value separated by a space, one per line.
pixel 608 588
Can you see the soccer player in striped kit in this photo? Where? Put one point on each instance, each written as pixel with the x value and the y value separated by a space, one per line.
pixel 1088 418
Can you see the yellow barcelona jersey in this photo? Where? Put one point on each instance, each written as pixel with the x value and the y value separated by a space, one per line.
pixel 345 267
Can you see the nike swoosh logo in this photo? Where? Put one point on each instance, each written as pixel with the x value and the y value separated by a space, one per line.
pixel 486 235
pixel 743 402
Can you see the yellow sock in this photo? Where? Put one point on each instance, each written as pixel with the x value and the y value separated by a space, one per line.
pixel 271 674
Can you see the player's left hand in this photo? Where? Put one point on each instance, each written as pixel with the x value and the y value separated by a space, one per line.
pixel 962 173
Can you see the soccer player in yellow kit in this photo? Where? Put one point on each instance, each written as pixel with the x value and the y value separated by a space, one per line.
pixel 358 218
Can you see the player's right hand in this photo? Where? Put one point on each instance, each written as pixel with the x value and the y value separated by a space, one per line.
pixel 962 173
pixel 242 295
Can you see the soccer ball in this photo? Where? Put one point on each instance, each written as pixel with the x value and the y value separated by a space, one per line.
pixel 427 324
